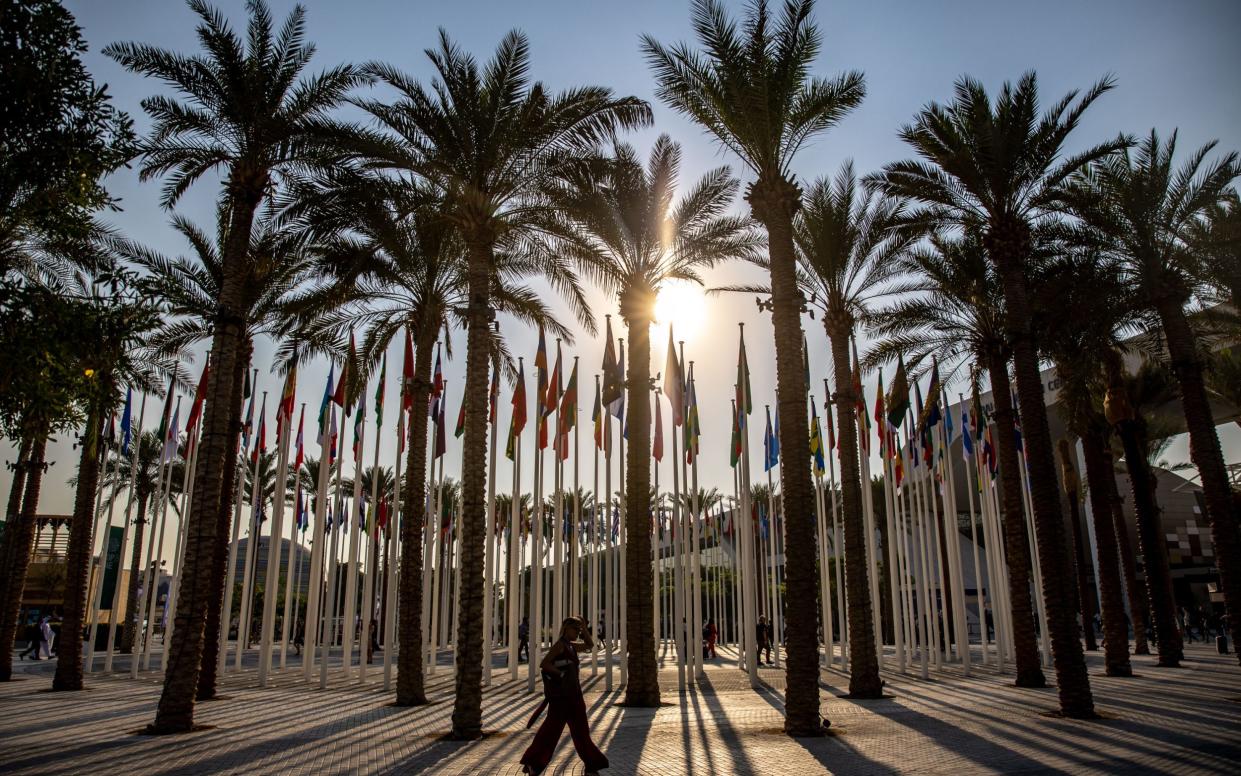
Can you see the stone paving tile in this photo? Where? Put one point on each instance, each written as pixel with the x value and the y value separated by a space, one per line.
pixel 1163 721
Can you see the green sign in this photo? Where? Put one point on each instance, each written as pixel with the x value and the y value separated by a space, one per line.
pixel 111 565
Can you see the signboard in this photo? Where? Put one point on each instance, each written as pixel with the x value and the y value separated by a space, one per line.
pixel 111 565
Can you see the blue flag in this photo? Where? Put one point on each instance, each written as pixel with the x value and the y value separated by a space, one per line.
pixel 127 433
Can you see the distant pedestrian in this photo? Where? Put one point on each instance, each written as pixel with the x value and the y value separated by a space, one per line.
pixel 33 641
pixel 49 636
pixel 523 640
pixel 762 635
pixel 564 703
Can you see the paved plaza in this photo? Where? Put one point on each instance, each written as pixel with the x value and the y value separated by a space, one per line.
pixel 1185 720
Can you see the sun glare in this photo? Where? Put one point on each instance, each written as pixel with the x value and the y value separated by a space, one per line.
pixel 682 304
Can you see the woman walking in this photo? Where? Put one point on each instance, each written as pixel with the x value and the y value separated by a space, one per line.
pixel 564 702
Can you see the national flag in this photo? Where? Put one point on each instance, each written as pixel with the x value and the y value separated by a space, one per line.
pixel 832 443
pixel 494 394
pixel 988 452
pixel 657 448
pixel 567 417
pixel 300 509
pixel 441 443
pixel 693 429
pixel 617 407
pixel 771 452
pixel 162 433
pixel 551 398
pixel 898 396
pixel 342 387
pixel 805 360
pixel 816 442
pixel 674 382
pixel 260 437
pixel 247 424
pixel 379 393
pixel 613 391
pixel 127 421
pixel 863 417
pixel 967 434
pixel 407 375
pixel 170 437
pixel 460 428
pixel 518 420
pixel 540 388
pixel 745 400
pixel 300 455
pixel 437 379
pixel 324 407
pixel 284 411
pixel 931 415
pixel 596 416
pixel 881 419
pixel 359 425
pixel 200 396
pixel 898 462
pixel 947 416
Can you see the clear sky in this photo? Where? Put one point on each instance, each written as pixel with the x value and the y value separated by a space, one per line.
pixel 1176 65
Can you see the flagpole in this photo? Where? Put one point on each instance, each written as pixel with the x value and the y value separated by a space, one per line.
pixel 226 613
pixel 535 642
pixel 623 625
pixel 340 522
pixel 695 537
pixel 575 583
pixel 489 562
pixel 952 529
pixel 371 517
pixel 749 585
pixel 392 639
pixel 136 440
pixel 271 584
pixel 594 540
pixel 841 612
pixel 252 545
pixel 318 537
pixel 154 557
pixel 102 563
pixel 612 554
pixel 292 558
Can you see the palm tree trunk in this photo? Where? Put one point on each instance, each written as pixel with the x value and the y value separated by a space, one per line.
pixel 20 533
pixel 216 616
pixel 1137 596
pixel 864 679
pixel 12 512
pixel 1115 630
pixel 643 687
pixel 410 690
pixel 1205 452
pixel 1016 547
pixel 1151 543
pixel 77 556
pixel 175 713
pixel 774 200
pixel 1085 605
pixel 132 616
pixel 467 708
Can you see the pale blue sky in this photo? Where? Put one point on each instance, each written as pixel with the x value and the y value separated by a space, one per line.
pixel 1176 65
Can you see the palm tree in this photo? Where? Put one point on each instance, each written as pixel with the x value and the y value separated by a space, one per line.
pixel 1131 399
pixel 751 89
pixel 1217 242
pixel 386 259
pixel 626 228
pixel 1146 213
pixel 249 113
pixel 847 254
pixel 996 168
pixel 143 471
pixel 485 138
pixel 113 349
pixel 191 287
pixel 1223 380
pixel 957 317
pixel 1084 310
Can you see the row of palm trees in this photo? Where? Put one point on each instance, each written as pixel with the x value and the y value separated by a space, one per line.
pixel 440 212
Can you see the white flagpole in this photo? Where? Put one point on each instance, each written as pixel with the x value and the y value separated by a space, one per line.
pixel 694 537
pixel 391 639
pixel 372 556
pixel 252 548
pixel 136 440
pixel 895 577
pixel 154 557
pixel 102 563
pixel 271 584
pixel 350 604
pixel 749 573
pixel 593 538
pixel 293 563
pixel 230 574
pixel 340 516
pixel 953 535
pixel 623 654
pixel 535 645
pixel 318 537
pixel 575 582
pixel 612 555
pixel 187 500
pixel 489 562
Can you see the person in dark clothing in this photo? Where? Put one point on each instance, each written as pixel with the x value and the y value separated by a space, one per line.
pixel 565 704
pixel 34 640
pixel 762 636
pixel 523 640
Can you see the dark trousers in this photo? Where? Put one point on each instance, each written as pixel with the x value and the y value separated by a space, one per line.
pixel 570 711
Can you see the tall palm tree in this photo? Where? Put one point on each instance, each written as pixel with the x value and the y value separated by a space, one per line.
pixel 249 112
pixel 486 138
pixel 113 349
pixel 848 253
pixel 1084 310
pixel 1223 380
pixel 996 168
pixel 631 235
pixel 1130 402
pixel 143 471
pixel 191 286
pixel 1146 212
pixel 750 88
pixel 955 314
pixel 386 258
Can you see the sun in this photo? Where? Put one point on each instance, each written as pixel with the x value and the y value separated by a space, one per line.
pixel 682 304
